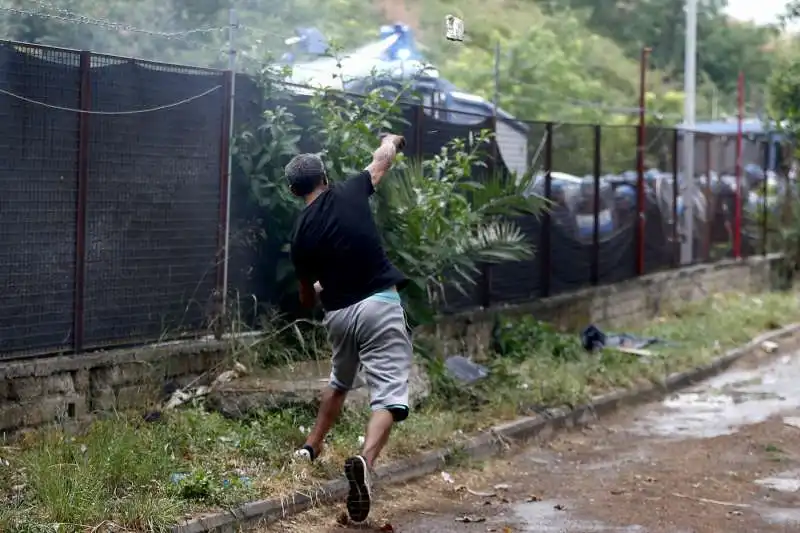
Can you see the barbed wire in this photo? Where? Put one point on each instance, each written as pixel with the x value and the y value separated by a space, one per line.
pixel 65 15
pixel 106 113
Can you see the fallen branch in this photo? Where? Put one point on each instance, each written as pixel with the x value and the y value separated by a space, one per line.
pixel 481 494
pixel 715 502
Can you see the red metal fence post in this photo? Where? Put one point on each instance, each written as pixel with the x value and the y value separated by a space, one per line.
pixel 764 192
pixel 82 196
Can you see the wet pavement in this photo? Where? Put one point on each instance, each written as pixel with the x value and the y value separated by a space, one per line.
pixel 721 457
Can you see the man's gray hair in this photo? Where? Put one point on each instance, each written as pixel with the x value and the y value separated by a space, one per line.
pixel 305 172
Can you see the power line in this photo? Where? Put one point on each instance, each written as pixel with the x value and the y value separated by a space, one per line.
pixel 107 113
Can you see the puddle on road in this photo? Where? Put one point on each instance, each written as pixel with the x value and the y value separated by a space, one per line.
pixel 782 516
pixel 727 402
pixel 784 482
pixel 543 517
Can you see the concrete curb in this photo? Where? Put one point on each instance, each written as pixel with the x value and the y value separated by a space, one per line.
pixel 488 443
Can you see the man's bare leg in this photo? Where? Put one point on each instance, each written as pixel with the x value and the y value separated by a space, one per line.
pixel 357 468
pixel 378 430
pixel 329 408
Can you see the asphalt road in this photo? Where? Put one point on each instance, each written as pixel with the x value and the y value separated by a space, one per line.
pixel 722 457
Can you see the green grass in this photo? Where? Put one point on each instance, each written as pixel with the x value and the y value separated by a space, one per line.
pixel 144 476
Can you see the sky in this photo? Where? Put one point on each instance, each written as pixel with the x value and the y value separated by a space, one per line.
pixel 761 11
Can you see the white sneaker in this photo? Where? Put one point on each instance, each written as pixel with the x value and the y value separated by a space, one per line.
pixel 304 454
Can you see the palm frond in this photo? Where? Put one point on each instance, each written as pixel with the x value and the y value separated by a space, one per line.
pixel 497 241
pixel 502 194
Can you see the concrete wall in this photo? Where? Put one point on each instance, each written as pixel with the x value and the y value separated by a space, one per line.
pixel 613 305
pixel 71 388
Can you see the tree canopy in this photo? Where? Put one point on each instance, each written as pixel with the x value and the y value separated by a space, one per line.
pixel 561 59
pixel 784 84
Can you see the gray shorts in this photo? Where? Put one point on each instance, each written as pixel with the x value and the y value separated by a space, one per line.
pixel 372 334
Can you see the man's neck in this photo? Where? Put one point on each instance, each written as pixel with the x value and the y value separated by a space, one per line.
pixel 315 194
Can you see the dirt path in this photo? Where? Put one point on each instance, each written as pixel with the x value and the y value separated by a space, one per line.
pixel 723 457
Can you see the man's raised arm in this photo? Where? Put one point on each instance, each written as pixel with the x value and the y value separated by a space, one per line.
pixel 384 156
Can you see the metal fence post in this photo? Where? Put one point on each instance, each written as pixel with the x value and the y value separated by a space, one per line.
pixel 493 169
pixel 82 197
pixel 707 195
pixel 545 263
pixel 764 192
pixel 595 272
pixel 420 119
pixel 676 244
pixel 224 204
pixel 640 147
pixel 486 285
pixel 230 93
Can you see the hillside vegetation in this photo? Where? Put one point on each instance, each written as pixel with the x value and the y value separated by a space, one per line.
pixel 571 60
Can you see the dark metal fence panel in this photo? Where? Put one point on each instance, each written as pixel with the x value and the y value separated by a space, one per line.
pixel 247 266
pixel 413 123
pixel 658 233
pixel 438 128
pixel 153 202
pixel 617 248
pixel 38 150
pixel 110 223
pixel 519 281
pixel 572 211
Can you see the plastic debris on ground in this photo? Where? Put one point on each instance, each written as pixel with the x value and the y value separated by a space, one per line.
pixel 189 393
pixel 462 369
pixel 594 339
pixel 244 481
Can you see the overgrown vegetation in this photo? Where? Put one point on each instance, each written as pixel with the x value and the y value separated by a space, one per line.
pixel 441 217
pixel 784 107
pixel 143 476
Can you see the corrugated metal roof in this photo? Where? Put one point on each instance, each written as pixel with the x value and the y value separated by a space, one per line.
pixel 723 128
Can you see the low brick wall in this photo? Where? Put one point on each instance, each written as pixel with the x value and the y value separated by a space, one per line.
pixel 615 305
pixel 69 388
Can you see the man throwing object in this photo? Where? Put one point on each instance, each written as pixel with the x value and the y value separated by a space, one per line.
pixel 337 253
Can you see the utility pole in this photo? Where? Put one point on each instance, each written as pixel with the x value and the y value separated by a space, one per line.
pixel 689 89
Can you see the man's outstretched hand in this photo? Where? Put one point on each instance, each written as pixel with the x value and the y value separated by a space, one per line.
pixel 384 156
pixel 398 141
